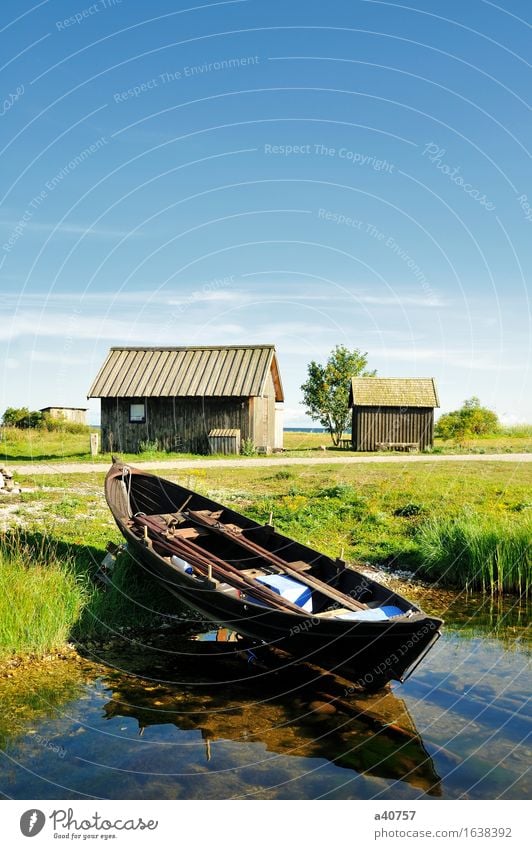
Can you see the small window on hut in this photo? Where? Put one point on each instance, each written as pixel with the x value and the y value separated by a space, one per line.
pixel 137 413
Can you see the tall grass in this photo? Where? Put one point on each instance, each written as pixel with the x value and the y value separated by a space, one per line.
pixel 517 430
pixel 41 596
pixel 477 552
pixel 48 596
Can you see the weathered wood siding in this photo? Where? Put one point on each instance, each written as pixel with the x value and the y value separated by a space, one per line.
pixel 372 425
pixel 177 424
pixel 263 417
pixel 224 442
pixel 279 432
pixel 67 415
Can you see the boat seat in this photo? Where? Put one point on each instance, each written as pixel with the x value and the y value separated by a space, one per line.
pixel 187 533
pixel 332 614
pixel 375 614
pixel 300 565
pixel 253 573
pixel 209 514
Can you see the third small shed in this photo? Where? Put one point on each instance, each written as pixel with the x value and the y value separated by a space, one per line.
pixel 393 412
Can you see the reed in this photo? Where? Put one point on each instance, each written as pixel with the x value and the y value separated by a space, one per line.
pixel 518 430
pixel 477 552
pixel 41 596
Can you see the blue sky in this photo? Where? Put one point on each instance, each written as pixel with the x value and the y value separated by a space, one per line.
pixel 302 173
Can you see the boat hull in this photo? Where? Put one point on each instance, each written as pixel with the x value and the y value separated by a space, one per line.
pixel 372 652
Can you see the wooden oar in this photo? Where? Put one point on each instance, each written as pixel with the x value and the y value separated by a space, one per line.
pixel 282 565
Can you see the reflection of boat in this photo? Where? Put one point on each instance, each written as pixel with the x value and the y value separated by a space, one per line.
pixel 297 709
pixel 266 586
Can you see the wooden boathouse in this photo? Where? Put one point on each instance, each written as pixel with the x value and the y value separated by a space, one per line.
pixel 190 399
pixel 393 413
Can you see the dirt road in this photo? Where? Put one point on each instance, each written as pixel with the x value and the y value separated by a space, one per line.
pixel 72 468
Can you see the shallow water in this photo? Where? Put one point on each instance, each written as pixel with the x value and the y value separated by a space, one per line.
pixel 202 721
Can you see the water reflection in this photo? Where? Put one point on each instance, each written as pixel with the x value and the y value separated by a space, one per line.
pixel 296 710
pixel 189 716
pixel 204 711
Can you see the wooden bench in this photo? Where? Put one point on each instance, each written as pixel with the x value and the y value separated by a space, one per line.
pixel 331 614
pixel 345 443
pixel 397 446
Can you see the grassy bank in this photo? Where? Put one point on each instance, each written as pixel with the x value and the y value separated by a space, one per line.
pixel 50 595
pixel 464 526
pixel 41 596
pixel 448 543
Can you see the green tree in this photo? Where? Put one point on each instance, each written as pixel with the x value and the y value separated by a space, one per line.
pixel 21 417
pixel 472 419
pixel 326 392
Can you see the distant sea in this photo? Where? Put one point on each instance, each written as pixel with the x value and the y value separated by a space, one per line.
pixel 304 430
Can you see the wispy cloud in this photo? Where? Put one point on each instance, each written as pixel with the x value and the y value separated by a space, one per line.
pixel 63 357
pixel 60 325
pixel 467 359
pixel 399 300
pixel 200 293
pixel 70 229
pixel 126 330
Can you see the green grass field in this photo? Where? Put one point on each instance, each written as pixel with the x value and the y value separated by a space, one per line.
pixel 22 446
pixel 42 445
pixel 514 440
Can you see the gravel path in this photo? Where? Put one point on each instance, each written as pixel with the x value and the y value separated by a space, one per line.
pixel 71 468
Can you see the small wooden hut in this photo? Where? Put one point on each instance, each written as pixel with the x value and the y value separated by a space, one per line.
pixel 393 413
pixel 77 415
pixel 184 399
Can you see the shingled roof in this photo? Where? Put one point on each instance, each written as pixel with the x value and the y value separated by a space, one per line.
pixel 393 392
pixel 222 371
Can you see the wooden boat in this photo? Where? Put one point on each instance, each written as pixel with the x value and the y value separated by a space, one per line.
pixel 267 587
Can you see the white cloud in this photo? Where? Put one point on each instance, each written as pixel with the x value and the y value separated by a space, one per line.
pixel 64 325
pixel 399 300
pixel 462 357
pixel 295 414
pixel 70 229
pixel 64 357
pixel 200 293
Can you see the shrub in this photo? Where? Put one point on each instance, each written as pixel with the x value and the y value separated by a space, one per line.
pixel 148 446
pixel 470 420
pixel 21 417
pixel 53 425
pixel 408 510
pixel 247 447
pixel 340 490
